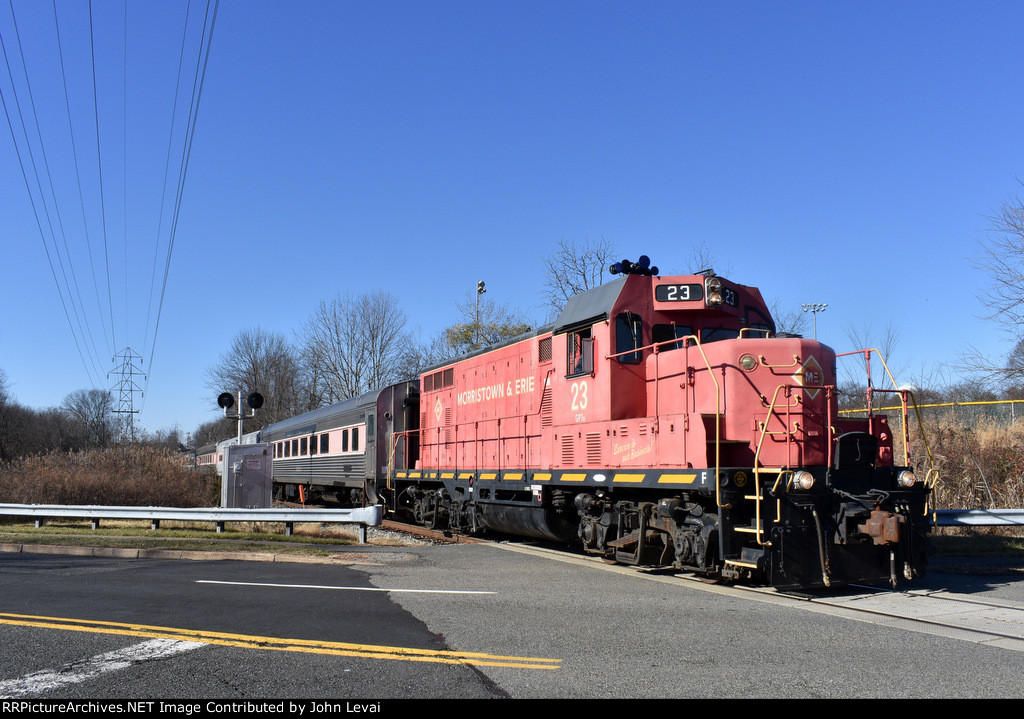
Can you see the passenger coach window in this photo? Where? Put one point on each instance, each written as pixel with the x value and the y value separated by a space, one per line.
pixel 302 446
pixel 323 443
pixel 344 441
pixel 355 439
pixel 580 353
pixel 628 336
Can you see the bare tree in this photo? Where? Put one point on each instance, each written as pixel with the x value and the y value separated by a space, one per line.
pixel 9 425
pixel 214 431
pixel 853 369
pixel 93 411
pixel 574 267
pixel 1002 261
pixel 419 354
pixel 353 343
pixel 490 324
pixel 788 321
pixel 264 362
pixel 702 258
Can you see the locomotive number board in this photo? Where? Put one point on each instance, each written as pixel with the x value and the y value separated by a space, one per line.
pixel 678 293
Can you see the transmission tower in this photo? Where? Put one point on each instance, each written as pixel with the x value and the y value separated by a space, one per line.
pixel 124 366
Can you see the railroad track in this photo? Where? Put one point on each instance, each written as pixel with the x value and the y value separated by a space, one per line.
pixel 435 535
pixel 991 622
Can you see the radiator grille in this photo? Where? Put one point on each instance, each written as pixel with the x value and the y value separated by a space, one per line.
pixel 593 448
pixel 544 350
pixel 568 449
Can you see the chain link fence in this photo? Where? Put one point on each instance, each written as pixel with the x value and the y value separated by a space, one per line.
pixel 978 448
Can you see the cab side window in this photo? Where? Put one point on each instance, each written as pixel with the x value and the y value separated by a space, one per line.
pixel 629 332
pixel 580 353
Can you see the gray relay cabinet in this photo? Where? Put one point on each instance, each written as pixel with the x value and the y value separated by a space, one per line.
pixel 247 479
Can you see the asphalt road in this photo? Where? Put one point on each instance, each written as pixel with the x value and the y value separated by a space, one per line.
pixel 469 621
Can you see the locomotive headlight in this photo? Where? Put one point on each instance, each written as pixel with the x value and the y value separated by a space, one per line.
pixel 803 480
pixel 748 362
pixel 906 478
pixel 714 291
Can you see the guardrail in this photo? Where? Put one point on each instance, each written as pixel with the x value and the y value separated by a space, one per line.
pixel 362 516
pixel 979 517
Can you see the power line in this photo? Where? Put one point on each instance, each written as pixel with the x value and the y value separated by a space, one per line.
pixel 78 177
pixel 42 197
pixel 99 164
pixel 197 92
pixel 167 171
pixel 45 203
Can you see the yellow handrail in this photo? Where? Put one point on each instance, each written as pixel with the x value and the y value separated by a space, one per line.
pixel 656 346
pixel 905 393
pixel 757 460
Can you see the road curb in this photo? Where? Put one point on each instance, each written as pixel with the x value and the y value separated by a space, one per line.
pixel 177 554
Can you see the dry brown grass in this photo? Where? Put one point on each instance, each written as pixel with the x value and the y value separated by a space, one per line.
pixel 981 463
pixel 130 475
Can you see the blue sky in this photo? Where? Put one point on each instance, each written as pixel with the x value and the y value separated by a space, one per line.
pixel 839 152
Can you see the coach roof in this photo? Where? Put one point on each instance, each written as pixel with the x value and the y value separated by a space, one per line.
pixel 314 420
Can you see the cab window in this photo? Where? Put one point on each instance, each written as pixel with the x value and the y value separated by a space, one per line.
pixel 628 336
pixel 580 353
pixel 667 333
pixel 714 334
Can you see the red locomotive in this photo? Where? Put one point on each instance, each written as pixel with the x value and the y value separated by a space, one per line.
pixel 660 421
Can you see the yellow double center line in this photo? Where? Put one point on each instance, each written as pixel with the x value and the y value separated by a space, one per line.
pixel 311 646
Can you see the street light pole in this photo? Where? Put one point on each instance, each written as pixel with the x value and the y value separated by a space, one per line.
pixel 814 308
pixel 479 291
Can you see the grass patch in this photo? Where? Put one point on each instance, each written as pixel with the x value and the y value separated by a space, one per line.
pixel 977 546
pixel 307 539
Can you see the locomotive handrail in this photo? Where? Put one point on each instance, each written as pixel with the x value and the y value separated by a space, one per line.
pixel 764 433
pixel 764 363
pixel 456 425
pixel 943 404
pixel 656 346
pixel 757 458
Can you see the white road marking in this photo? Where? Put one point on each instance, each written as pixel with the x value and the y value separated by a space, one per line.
pixel 354 589
pixel 43 681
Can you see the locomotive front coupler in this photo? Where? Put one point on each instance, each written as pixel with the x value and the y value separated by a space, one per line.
pixel 862 519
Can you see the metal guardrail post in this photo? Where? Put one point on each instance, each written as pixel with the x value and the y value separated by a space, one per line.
pixel 362 516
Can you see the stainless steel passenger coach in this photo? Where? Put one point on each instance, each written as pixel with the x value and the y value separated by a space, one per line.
pixel 336 452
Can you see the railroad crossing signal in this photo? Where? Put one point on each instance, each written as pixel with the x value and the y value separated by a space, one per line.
pixel 226 401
